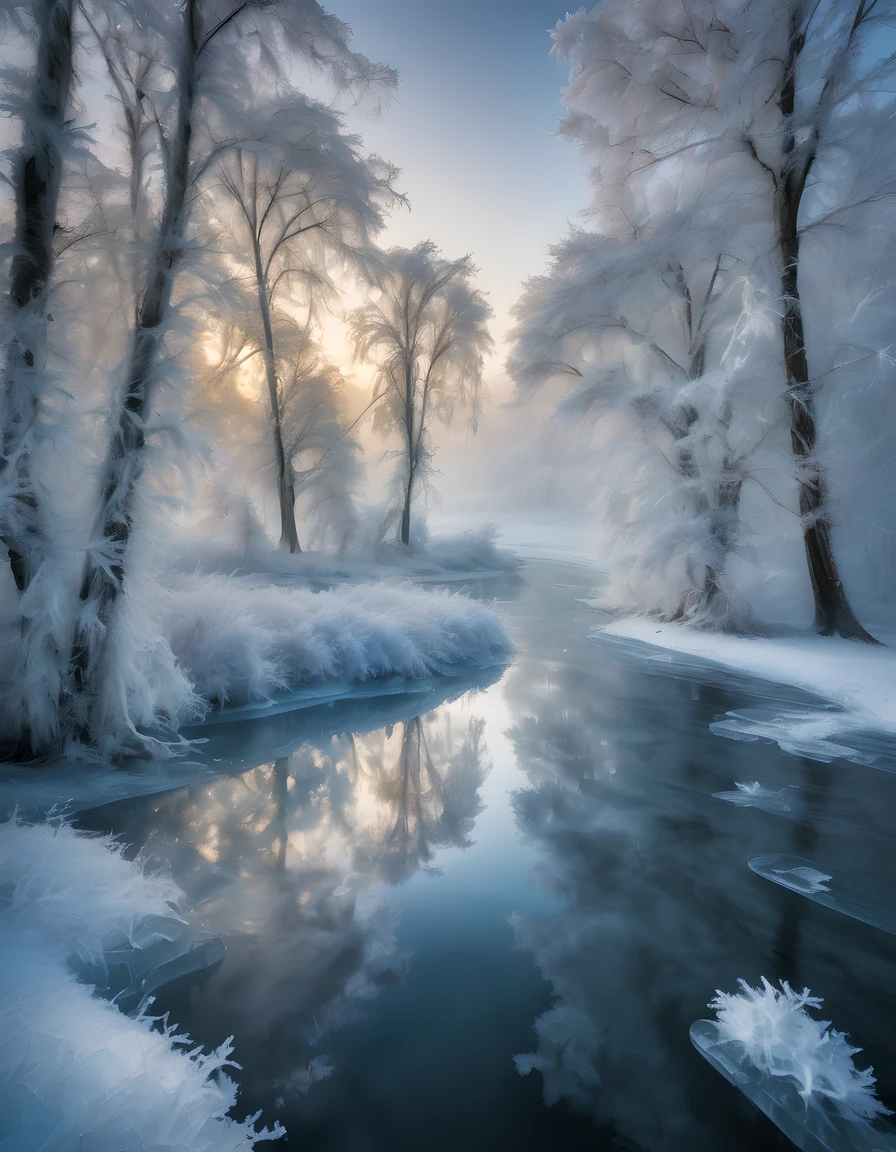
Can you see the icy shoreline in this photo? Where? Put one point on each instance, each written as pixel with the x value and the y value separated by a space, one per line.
pixel 78 1072
pixel 858 679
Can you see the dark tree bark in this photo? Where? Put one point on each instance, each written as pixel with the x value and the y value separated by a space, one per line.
pixel 286 489
pixel 405 533
pixel 37 179
pixel 123 468
pixel 410 441
pixel 833 612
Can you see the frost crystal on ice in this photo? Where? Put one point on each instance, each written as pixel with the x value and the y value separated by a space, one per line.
pixel 755 795
pixel 809 878
pixel 778 1037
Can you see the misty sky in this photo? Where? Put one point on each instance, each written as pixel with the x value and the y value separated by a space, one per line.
pixel 473 129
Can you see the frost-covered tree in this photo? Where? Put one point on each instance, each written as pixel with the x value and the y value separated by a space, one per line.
pixel 60 192
pixel 40 96
pixel 808 69
pixel 719 115
pixel 305 199
pixel 641 314
pixel 637 327
pixel 203 111
pixel 322 457
pixel 325 464
pixel 427 333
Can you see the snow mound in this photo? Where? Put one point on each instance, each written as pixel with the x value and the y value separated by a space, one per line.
pixel 240 643
pixel 780 1039
pixel 71 888
pixel 75 1072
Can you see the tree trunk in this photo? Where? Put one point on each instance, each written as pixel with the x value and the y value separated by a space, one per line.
pixel 37 180
pixel 286 489
pixel 289 537
pixel 722 509
pixel 409 383
pixel 104 577
pixel 406 511
pixel 722 512
pixel 724 529
pixel 833 613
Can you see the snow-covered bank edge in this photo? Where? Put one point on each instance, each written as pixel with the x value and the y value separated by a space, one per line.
pixel 859 680
pixel 184 644
pixel 230 745
pixel 76 1070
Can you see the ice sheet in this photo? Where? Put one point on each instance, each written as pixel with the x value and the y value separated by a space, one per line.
pixel 806 878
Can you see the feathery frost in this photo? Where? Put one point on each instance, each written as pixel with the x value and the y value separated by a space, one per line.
pixel 238 643
pixel 76 1071
pixel 780 1038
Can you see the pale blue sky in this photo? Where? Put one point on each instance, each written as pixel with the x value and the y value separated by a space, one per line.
pixel 472 126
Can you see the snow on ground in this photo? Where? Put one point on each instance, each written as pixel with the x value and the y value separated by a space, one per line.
pixel 76 1072
pixel 536 537
pixel 858 679
pixel 462 554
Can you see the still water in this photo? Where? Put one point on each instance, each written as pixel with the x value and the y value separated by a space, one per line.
pixel 413 891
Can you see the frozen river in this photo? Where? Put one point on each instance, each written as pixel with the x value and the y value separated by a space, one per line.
pixel 416 890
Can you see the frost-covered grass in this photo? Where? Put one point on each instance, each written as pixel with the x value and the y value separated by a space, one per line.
pixel 781 1039
pixel 239 642
pixel 553 534
pixel 859 678
pixel 455 555
pixel 458 554
pixel 189 641
pixel 73 889
pixel 76 1072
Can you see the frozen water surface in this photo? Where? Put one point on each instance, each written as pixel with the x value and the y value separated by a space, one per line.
pixel 857 898
pixel 754 795
pixel 814 1124
pixel 486 913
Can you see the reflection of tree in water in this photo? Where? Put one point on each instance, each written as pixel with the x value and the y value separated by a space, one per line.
pixel 290 863
pixel 657 907
pixel 426 782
